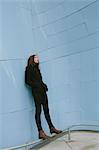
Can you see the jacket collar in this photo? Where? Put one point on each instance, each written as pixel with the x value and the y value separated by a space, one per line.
pixel 34 65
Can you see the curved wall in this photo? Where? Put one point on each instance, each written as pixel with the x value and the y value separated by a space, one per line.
pixel 65 35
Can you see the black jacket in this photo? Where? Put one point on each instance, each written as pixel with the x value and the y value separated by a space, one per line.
pixel 33 78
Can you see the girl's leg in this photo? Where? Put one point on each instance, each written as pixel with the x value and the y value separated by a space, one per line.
pixel 46 110
pixel 38 109
pixel 47 115
pixel 38 116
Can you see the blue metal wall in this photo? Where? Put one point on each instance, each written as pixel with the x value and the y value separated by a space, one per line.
pixel 65 35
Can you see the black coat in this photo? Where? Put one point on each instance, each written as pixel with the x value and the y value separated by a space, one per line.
pixel 33 78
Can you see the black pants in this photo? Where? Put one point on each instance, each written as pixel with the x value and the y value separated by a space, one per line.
pixel 40 98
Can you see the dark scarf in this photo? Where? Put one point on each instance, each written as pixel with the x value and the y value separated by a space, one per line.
pixel 35 65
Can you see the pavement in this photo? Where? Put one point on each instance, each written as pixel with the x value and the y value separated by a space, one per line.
pixel 80 140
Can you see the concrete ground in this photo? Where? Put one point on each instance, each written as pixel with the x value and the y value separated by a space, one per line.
pixel 80 140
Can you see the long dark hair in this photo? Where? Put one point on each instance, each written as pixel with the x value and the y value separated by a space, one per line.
pixel 32 57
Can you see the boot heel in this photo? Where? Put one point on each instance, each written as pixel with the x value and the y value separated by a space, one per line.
pixel 42 135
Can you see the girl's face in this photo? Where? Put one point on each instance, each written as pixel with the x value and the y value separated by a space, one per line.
pixel 36 59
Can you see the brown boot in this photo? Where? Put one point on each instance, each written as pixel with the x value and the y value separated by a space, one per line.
pixel 43 135
pixel 54 130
